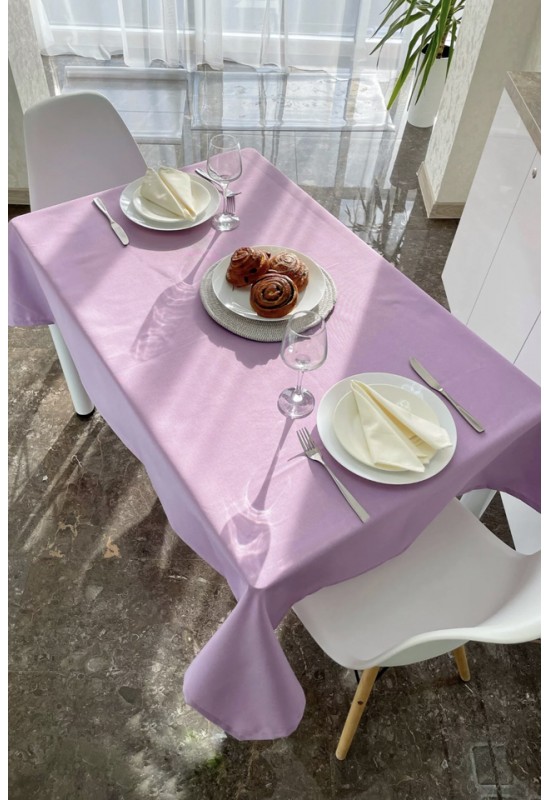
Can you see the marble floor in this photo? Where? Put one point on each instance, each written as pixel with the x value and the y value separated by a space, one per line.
pixel 107 605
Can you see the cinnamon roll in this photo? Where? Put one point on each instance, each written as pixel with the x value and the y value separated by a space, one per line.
pixel 246 266
pixel 273 295
pixel 287 263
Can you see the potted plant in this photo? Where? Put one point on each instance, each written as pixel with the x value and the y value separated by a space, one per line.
pixel 430 50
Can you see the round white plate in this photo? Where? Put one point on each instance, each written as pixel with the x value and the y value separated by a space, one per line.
pixel 398 389
pixel 238 300
pixel 148 215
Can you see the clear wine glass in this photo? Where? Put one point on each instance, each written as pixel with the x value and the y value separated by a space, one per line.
pixel 224 165
pixel 304 347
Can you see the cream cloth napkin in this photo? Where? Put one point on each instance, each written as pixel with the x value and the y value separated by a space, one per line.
pixel 394 437
pixel 172 190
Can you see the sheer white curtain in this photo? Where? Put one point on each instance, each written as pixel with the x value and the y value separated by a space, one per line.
pixel 305 34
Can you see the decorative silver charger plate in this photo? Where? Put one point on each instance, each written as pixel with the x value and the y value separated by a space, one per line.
pixel 249 328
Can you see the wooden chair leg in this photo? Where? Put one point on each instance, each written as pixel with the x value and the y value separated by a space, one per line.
pixel 356 711
pixel 462 662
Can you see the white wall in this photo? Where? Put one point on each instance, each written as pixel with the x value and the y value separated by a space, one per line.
pixel 17 170
pixel 26 86
pixel 496 36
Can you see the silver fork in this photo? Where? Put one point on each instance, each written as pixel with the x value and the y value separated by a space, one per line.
pixel 312 451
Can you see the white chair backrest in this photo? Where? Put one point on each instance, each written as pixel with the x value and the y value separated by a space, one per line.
pixel 77 144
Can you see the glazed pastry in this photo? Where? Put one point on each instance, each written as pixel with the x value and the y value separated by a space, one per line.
pixel 273 295
pixel 289 264
pixel 246 266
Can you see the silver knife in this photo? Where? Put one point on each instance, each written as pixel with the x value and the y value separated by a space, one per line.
pixel 431 381
pixel 114 225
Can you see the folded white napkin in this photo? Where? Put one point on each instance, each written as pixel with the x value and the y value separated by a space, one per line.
pixel 394 437
pixel 172 190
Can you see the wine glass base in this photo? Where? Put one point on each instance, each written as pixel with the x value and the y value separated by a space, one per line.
pixel 295 406
pixel 225 222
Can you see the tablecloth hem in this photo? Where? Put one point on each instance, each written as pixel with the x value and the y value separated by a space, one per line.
pixel 241 736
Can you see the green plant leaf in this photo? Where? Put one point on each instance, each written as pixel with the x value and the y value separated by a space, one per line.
pixel 396 26
pixel 431 46
pixel 391 9
pixel 411 59
pixel 442 24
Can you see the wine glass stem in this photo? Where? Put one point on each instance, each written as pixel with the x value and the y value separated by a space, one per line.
pixel 298 388
pixel 224 187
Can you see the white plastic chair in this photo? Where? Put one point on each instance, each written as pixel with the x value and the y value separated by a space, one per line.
pixel 76 144
pixel 456 583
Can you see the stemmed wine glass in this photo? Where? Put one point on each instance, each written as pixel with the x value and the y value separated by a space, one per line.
pixel 304 347
pixel 224 165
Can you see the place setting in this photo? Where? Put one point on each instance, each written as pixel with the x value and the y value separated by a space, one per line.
pixel 169 199
pixel 386 428
pixel 383 427
pixel 380 426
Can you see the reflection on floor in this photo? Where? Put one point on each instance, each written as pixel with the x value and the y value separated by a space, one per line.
pixel 108 605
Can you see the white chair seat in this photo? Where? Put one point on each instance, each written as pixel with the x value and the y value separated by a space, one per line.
pixel 456 583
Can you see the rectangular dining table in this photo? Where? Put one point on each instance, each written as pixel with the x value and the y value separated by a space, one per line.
pixel 197 405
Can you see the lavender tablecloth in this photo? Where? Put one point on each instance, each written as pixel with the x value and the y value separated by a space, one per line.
pixel 197 405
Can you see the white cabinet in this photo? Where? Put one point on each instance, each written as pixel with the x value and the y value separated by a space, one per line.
pixel 505 163
pixel 492 274
pixel 508 303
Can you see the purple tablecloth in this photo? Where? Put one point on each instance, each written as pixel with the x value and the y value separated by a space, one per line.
pixel 197 405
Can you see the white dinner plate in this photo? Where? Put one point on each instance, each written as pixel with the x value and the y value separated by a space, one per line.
pixel 418 398
pixel 148 215
pixel 238 300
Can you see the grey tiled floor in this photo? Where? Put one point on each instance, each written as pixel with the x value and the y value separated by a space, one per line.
pixel 108 605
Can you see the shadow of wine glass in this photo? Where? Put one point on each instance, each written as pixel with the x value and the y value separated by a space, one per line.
pixel 164 328
pixel 248 532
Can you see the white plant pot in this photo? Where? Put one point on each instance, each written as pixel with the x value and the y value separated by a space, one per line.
pixel 422 114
